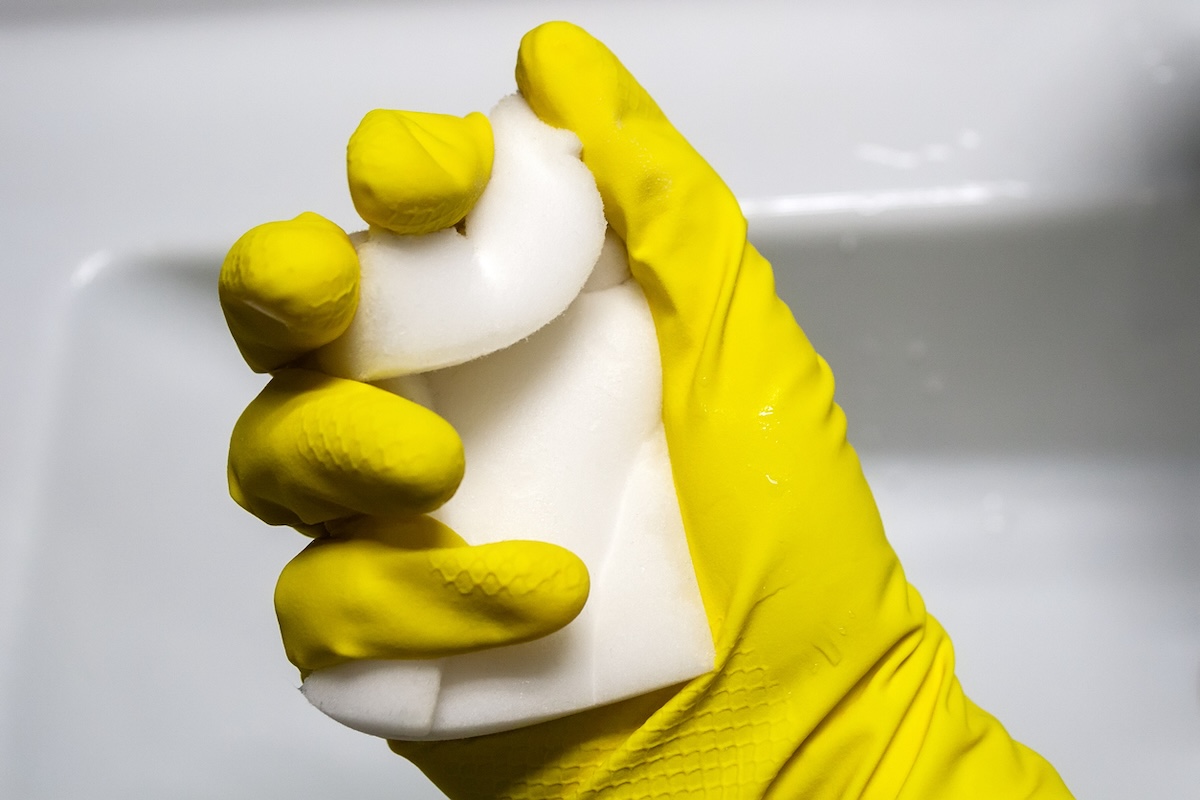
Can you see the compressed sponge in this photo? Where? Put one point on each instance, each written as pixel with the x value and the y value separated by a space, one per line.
pixel 433 301
pixel 563 438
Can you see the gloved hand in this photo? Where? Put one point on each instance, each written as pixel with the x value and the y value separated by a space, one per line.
pixel 831 679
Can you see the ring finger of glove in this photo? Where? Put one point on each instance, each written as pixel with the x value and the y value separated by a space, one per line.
pixel 311 448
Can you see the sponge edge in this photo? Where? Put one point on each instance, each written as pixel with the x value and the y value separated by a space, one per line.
pixel 563 436
pixel 445 298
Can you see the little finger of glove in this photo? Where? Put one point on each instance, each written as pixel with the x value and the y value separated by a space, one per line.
pixel 404 589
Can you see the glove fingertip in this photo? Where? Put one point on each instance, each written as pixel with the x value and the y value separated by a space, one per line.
pixel 288 287
pixel 534 588
pixel 416 173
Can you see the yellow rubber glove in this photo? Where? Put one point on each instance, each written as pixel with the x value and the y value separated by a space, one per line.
pixel 831 680
pixel 356 466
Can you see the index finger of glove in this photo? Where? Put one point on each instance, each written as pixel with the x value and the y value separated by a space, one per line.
pixel 312 448
pixel 415 173
pixel 291 286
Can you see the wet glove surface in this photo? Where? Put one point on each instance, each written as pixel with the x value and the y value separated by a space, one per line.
pixel 831 680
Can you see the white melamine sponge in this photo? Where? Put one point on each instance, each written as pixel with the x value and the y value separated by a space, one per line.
pixel 563 437
pixel 438 300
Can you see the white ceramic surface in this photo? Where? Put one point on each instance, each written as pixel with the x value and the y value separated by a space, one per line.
pixel 982 213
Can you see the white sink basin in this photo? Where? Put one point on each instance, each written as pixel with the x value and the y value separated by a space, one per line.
pixel 985 219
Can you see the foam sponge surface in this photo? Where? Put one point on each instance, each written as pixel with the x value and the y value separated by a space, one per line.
pixel 564 443
pixel 441 299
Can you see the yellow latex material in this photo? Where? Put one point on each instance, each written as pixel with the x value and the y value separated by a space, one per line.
pixel 831 680
pixel 357 467
pixel 288 287
pixel 401 585
pixel 312 448
pixel 417 173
